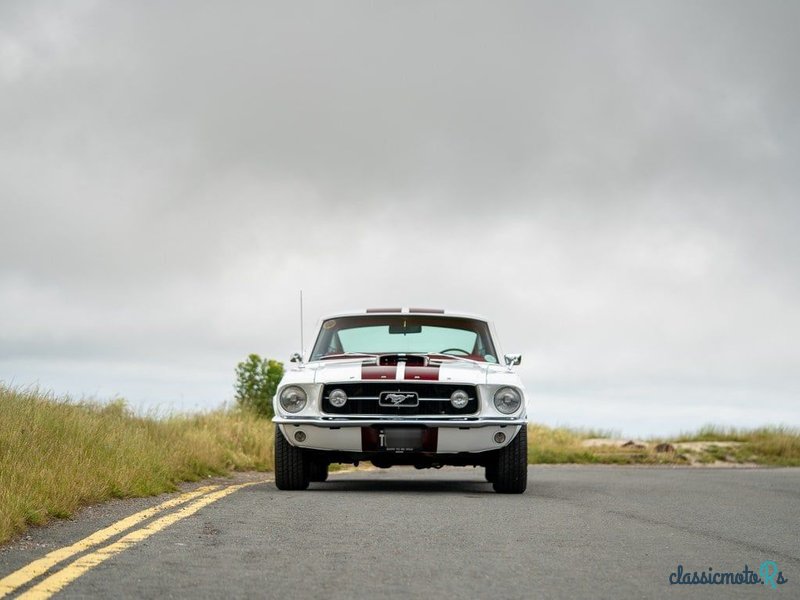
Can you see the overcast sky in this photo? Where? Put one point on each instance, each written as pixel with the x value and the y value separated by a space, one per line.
pixel 616 184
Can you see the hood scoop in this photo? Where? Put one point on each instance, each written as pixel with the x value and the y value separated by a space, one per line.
pixel 411 360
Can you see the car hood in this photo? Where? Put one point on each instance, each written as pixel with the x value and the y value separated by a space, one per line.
pixel 455 371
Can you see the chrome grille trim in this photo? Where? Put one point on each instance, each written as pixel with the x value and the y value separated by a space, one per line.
pixel 433 399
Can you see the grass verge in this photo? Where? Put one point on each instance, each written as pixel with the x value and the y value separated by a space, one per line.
pixel 773 446
pixel 57 455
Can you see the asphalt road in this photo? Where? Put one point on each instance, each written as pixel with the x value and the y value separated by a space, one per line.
pixel 578 532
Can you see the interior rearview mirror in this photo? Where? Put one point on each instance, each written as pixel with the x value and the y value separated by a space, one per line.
pixel 405 328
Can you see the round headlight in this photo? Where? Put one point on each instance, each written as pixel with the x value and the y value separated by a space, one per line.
pixel 293 399
pixel 337 398
pixel 459 399
pixel 507 400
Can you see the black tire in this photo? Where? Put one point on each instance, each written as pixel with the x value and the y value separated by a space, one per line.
pixel 491 470
pixel 511 474
pixel 291 465
pixel 318 471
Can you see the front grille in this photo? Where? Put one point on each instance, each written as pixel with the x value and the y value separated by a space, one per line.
pixel 434 399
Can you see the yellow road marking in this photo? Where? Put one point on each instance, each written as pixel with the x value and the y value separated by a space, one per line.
pixel 62 578
pixel 32 570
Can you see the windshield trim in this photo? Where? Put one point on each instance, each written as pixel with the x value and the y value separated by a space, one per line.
pixel 479 326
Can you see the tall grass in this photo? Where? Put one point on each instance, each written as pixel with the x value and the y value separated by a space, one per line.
pixel 552 445
pixel 57 455
pixel 774 446
pixel 778 445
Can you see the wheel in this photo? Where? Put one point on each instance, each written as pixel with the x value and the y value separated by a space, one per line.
pixel 291 465
pixel 511 466
pixel 491 471
pixel 318 471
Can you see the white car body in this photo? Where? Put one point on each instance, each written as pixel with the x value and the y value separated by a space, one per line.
pixel 457 439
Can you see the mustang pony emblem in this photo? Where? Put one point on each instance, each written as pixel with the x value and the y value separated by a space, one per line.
pixel 399 399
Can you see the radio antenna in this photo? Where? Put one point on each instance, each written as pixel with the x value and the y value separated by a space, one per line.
pixel 302 348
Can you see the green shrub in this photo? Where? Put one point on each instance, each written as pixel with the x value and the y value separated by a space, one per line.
pixel 256 382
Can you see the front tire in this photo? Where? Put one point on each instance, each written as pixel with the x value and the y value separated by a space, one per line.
pixel 491 471
pixel 292 468
pixel 511 466
pixel 318 471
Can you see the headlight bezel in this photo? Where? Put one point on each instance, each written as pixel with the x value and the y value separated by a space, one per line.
pixel 282 397
pixel 506 389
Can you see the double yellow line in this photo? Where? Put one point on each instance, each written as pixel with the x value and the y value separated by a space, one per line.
pixel 63 577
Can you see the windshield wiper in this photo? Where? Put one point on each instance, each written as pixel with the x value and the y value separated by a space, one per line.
pixel 455 357
pixel 348 355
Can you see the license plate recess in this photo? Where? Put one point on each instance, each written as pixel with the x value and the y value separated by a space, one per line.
pixel 403 438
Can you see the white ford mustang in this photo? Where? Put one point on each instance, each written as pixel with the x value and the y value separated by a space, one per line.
pixel 402 387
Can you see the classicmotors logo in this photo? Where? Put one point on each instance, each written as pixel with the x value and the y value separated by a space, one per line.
pixel 767 575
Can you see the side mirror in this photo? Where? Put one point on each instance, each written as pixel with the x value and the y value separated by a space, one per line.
pixel 296 358
pixel 512 360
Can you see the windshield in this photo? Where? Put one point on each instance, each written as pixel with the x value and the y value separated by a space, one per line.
pixel 405 334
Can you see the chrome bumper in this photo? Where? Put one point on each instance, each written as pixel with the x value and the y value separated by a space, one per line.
pixel 461 423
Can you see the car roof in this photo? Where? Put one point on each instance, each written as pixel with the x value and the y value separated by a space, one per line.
pixel 405 311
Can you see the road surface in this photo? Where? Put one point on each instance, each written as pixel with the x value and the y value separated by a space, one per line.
pixel 578 532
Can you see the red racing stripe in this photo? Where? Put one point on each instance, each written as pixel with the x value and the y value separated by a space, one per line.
pixel 378 372
pixel 429 373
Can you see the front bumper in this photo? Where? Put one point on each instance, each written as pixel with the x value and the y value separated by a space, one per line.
pixel 349 434
pixel 461 423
